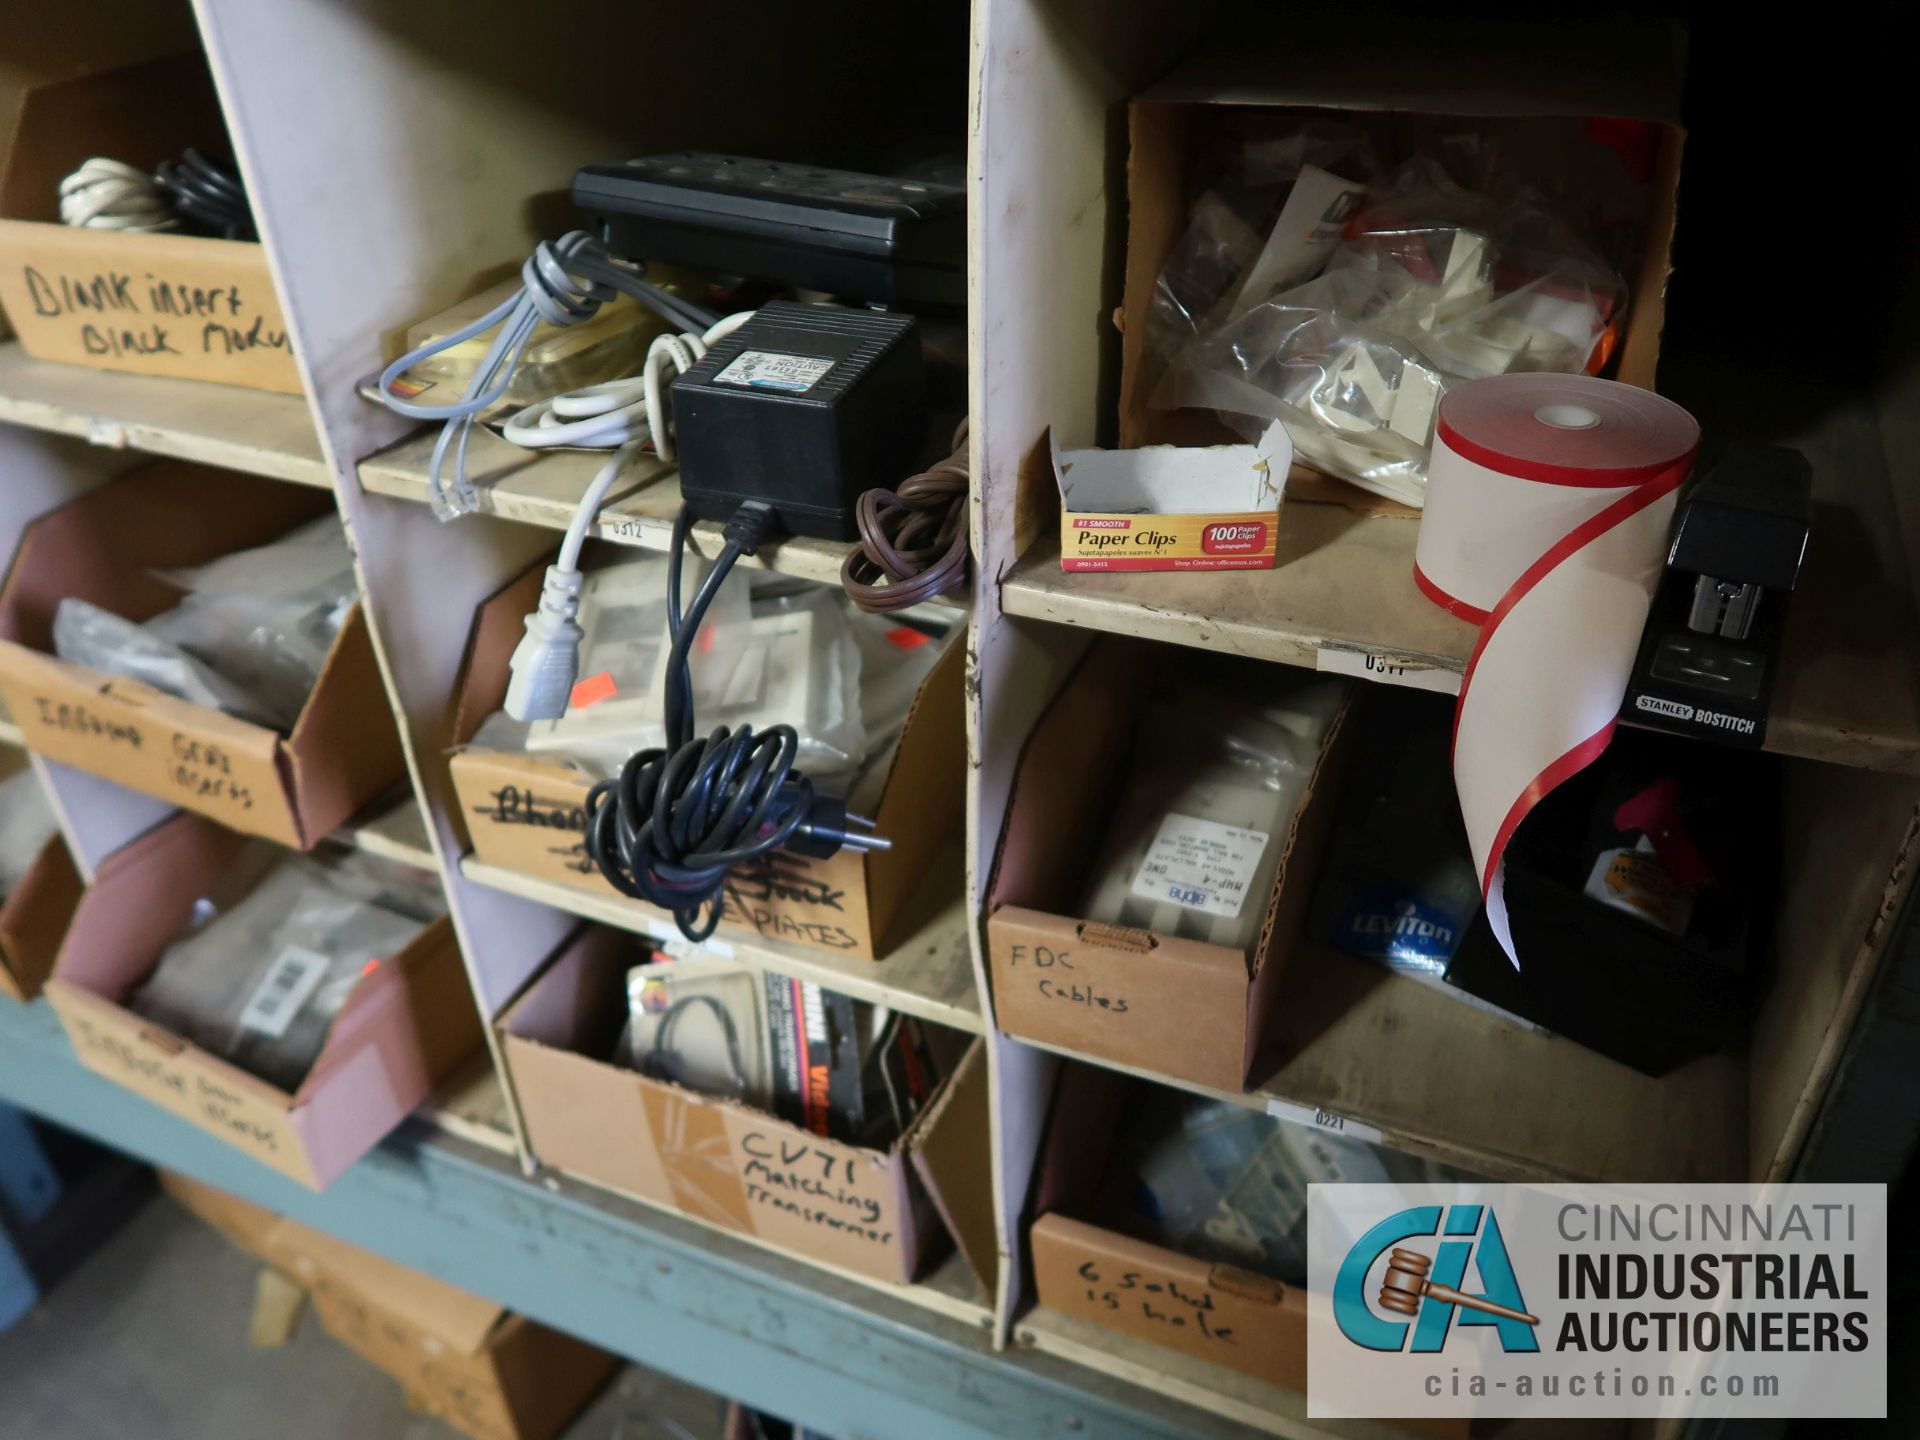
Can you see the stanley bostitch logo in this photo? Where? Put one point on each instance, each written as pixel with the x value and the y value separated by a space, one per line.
pixel 1422 1293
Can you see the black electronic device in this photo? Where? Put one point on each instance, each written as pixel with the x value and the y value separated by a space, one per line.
pixel 803 408
pixel 1707 658
pixel 885 240
pixel 1604 976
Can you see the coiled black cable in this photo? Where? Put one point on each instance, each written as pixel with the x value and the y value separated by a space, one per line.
pixel 663 1062
pixel 207 193
pixel 673 822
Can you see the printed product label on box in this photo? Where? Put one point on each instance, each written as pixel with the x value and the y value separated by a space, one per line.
pixel 1167 542
pixel 771 370
pixel 1201 865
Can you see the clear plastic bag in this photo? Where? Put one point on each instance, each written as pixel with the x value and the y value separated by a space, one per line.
pixel 895 660
pixel 87 635
pixel 1432 283
pixel 1226 1184
pixel 1242 218
pixel 1195 844
pixel 273 954
pixel 249 637
pixel 266 618
pixel 764 657
pixel 623 654
pixel 27 822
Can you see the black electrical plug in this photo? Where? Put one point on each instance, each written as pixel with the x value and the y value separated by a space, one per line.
pixel 830 827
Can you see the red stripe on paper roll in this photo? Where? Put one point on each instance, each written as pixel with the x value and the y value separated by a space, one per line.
pixel 1548 507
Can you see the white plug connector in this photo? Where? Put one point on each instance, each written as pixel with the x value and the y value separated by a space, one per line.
pixel 546 662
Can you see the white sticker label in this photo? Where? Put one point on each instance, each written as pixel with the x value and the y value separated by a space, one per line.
pixel 289 983
pixel 1304 236
pixel 676 945
pixel 1201 865
pixel 1387 669
pixel 771 370
pixel 1322 1120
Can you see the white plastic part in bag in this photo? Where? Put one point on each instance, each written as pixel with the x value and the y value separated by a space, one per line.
pixel 1195 842
pixel 623 651
pixel 1433 283
pixel 1253 228
pixel 775 659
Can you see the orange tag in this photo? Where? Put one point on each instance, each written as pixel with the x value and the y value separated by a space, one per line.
pixel 592 690
pixel 908 638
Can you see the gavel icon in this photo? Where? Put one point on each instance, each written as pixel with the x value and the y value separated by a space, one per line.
pixel 1406 1281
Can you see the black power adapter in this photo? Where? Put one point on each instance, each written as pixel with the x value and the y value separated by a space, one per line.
pixel 803 408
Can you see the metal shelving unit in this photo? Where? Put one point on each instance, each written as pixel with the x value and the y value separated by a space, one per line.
pixel 708 1307
pixel 444 156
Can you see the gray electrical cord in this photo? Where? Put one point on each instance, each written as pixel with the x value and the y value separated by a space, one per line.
pixel 563 283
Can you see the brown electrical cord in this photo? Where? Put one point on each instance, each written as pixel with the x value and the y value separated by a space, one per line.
pixel 913 541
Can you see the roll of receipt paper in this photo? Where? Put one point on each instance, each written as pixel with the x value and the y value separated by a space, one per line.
pixel 1549 502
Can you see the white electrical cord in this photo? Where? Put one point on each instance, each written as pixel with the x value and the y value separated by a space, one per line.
pixel 112 195
pixel 563 283
pixel 616 412
pixel 630 414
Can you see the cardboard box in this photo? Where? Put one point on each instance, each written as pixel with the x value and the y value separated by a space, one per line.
pixel 487 1372
pixel 528 814
pixel 719 1160
pixel 179 305
pixel 408 1024
pixel 34 915
pixel 104 547
pixel 492 1374
pixel 1176 1007
pixel 1221 1314
pixel 1172 507
pixel 1218 1313
pixel 244 1223
pixel 1409 66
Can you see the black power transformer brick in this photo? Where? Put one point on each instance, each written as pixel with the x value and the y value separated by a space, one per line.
pixel 804 408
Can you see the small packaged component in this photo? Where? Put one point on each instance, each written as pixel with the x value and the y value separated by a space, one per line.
pixel 697 1022
pixel 248 638
pixel 843 1068
pixel 814 1034
pixel 616 705
pixel 1399 886
pixel 776 659
pixel 557 359
pixel 1195 843
pixel 1219 1182
pixel 272 956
